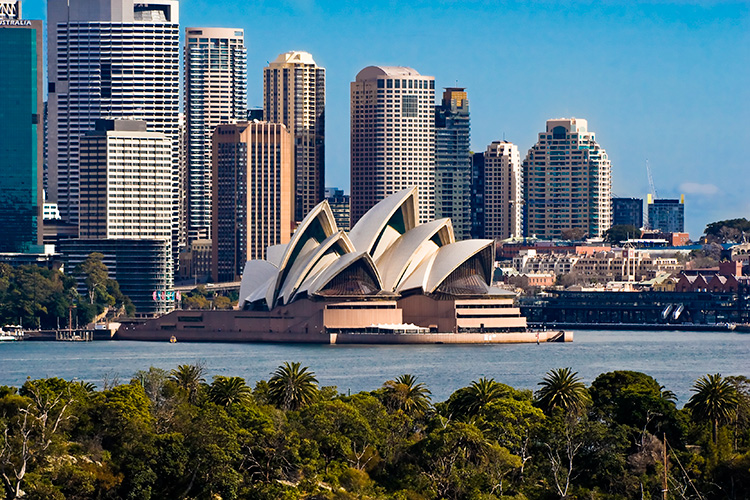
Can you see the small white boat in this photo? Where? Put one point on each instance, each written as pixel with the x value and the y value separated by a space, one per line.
pixel 10 333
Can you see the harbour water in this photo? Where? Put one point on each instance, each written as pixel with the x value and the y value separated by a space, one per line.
pixel 675 359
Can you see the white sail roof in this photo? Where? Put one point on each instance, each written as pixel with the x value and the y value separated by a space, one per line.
pixel 385 222
pixel 255 273
pixel 401 258
pixel 386 251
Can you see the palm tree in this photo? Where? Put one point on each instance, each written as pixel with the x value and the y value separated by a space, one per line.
pixel 87 387
pixel 404 393
pixel 667 395
pixel 715 401
pixel 475 398
pixel 562 388
pixel 190 378
pixel 291 387
pixel 225 391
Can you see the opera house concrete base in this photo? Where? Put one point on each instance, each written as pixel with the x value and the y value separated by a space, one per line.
pixel 352 322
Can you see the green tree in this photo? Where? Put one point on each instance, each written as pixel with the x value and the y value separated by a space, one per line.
pixel 340 433
pixel 714 401
pixel 742 415
pixel 513 423
pixel 562 388
pixel 189 378
pixel 572 234
pixel 292 387
pixel 32 426
pixel 471 401
pixel 637 401
pixel 197 302
pixel 222 302
pixel 457 459
pixel 214 460
pixel 406 394
pixel 96 275
pixel 724 231
pixel 225 391
pixel 620 233
pixel 165 395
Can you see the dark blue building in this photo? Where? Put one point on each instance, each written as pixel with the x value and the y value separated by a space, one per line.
pixel 453 161
pixel 627 212
pixel 477 195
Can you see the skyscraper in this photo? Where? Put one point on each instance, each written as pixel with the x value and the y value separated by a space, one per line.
pixel 339 203
pixel 125 183
pixel 21 129
pixel 503 188
pixel 252 194
pixel 392 138
pixel 453 161
pixel 294 93
pixel 667 216
pixel 215 93
pixel 567 182
pixel 627 212
pixel 109 59
pixel 477 195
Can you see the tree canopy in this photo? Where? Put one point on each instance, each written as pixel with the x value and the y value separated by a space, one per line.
pixel 728 231
pixel 621 232
pixel 168 434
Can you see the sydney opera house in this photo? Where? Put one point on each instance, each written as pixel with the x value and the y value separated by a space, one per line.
pixel 387 280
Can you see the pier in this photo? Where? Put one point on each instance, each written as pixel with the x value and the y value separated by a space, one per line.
pixel 74 335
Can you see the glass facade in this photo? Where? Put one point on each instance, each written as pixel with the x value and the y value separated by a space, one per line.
pixel 453 161
pixel 215 93
pixel 21 132
pixel 627 212
pixel 667 216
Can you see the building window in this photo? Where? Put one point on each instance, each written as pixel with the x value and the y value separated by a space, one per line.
pixel 409 106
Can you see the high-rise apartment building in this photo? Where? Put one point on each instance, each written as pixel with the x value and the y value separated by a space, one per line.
pixel 21 129
pixel 294 93
pixel 627 212
pixel 667 216
pixel 392 138
pixel 126 189
pixel 567 182
pixel 253 193
pixel 453 161
pixel 111 59
pixel 503 191
pixel 215 93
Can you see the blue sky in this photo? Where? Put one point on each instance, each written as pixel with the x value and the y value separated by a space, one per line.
pixel 663 81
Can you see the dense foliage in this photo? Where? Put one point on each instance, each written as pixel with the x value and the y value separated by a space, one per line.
pixel 728 231
pixel 174 435
pixel 38 297
pixel 621 233
pixel 201 298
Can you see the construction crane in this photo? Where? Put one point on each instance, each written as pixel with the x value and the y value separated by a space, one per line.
pixel 651 180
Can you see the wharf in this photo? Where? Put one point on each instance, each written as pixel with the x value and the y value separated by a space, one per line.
pixel 656 327
pixel 644 310
pixel 65 335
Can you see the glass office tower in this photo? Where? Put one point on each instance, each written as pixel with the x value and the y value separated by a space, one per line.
pixel 21 129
